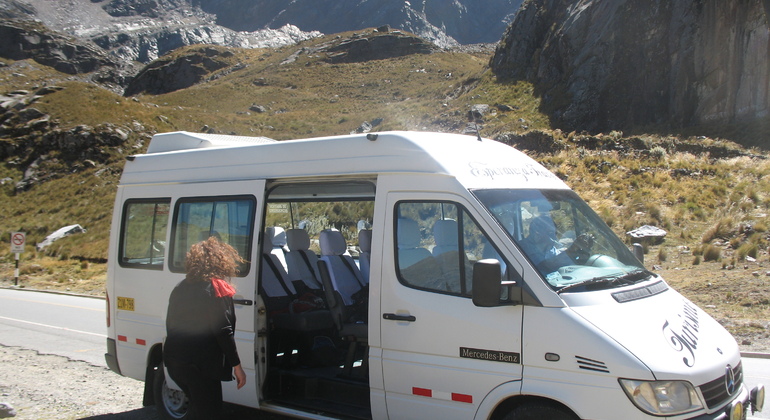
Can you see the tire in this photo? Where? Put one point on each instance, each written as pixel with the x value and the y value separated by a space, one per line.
pixel 539 411
pixel 170 403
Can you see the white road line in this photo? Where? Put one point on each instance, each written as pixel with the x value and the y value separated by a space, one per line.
pixel 42 302
pixel 54 327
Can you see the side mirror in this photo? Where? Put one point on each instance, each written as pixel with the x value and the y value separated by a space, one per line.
pixel 486 283
pixel 639 252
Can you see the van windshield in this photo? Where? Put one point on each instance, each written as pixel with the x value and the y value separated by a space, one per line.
pixel 571 247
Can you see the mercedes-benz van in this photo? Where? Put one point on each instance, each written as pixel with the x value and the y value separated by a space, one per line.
pixel 409 275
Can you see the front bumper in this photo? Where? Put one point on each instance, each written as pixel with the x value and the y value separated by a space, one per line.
pixel 739 407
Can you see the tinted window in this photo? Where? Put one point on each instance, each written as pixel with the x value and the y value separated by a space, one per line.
pixel 143 237
pixel 437 244
pixel 230 219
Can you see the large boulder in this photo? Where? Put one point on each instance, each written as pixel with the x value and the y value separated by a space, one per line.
pixel 379 45
pixel 20 40
pixel 179 71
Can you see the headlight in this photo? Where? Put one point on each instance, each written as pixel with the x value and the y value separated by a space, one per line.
pixel 662 398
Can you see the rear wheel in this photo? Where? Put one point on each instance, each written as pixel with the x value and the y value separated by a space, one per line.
pixel 170 403
pixel 538 411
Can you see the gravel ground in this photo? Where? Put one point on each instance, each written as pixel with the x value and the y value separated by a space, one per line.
pixel 47 387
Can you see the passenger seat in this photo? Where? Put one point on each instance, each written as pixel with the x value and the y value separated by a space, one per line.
pixel 344 274
pixel 277 237
pixel 302 263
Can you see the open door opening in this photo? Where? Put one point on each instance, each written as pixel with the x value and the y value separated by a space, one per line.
pixel 314 285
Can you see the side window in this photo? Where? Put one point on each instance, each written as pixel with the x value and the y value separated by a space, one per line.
pixel 437 244
pixel 143 233
pixel 230 219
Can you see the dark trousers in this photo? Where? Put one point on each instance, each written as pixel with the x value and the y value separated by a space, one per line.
pixel 203 393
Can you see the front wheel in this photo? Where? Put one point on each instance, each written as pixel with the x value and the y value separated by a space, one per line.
pixel 170 403
pixel 537 411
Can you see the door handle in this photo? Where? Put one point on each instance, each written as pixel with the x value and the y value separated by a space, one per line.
pixel 245 302
pixel 394 317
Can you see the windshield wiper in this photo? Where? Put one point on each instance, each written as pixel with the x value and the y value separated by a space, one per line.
pixel 631 277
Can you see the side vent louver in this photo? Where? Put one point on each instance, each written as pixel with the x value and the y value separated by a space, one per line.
pixel 590 364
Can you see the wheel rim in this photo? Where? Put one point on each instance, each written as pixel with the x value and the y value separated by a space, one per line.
pixel 174 401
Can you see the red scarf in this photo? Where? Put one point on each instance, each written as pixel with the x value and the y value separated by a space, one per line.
pixel 222 288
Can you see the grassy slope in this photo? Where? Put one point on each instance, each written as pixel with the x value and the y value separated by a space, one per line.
pixel 714 200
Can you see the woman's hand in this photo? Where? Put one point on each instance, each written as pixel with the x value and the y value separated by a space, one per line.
pixel 240 376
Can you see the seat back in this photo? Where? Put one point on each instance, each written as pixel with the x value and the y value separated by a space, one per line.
pixel 409 250
pixel 345 277
pixel 333 298
pixel 302 263
pixel 445 235
pixel 364 259
pixel 276 286
pixel 277 237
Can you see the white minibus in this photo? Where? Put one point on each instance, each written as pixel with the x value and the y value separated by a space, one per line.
pixel 408 275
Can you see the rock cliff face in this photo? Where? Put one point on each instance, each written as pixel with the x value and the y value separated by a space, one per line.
pixel 612 64
pixel 22 40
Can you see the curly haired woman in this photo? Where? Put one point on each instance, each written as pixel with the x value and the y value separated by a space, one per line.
pixel 200 351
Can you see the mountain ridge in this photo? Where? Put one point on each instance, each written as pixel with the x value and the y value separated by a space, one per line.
pixel 144 30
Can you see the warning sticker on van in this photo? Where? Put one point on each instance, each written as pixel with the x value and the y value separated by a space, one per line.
pixel 490 355
pixel 125 303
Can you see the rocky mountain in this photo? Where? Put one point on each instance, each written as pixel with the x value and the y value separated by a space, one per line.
pixel 144 30
pixel 442 21
pixel 195 64
pixel 603 65
pixel 20 40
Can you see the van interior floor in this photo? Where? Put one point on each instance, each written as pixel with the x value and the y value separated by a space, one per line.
pixel 321 390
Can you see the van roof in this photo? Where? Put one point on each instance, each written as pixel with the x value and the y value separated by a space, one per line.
pixel 192 157
pixel 182 140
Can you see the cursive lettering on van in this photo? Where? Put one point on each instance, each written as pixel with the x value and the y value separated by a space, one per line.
pixel 490 355
pixel 684 338
pixel 481 169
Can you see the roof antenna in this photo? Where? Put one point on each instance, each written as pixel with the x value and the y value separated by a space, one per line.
pixel 472 116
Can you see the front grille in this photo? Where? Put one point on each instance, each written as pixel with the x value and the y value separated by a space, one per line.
pixel 715 392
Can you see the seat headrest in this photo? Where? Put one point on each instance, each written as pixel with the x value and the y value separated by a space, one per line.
pixel 445 232
pixel 297 239
pixel 365 240
pixel 277 235
pixel 408 234
pixel 332 242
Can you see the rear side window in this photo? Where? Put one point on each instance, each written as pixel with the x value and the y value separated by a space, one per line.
pixel 143 234
pixel 230 219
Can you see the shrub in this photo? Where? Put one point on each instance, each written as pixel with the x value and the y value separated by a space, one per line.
pixel 712 253
pixel 658 152
pixel 696 260
pixel 720 229
pixel 747 250
pixel 662 255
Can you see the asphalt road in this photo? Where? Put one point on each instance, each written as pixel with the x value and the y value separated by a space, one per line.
pixel 70 326
pixel 75 326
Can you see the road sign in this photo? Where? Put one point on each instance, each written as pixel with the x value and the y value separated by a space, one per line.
pixel 17 242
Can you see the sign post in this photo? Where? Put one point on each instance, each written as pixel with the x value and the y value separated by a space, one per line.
pixel 18 239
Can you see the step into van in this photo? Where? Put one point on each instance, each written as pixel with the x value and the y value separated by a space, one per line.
pixel 409 275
